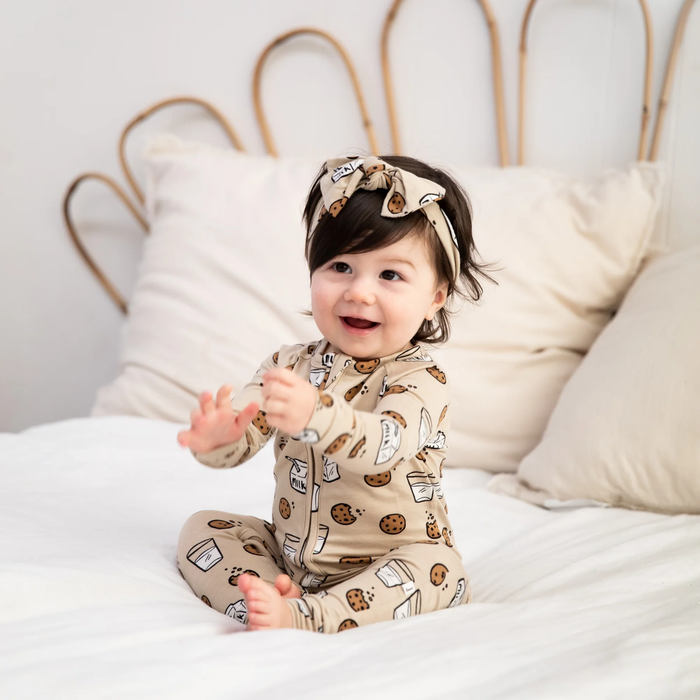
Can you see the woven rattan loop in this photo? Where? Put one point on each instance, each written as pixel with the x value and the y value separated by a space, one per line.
pixel 665 97
pixel 157 107
pixel 101 277
pixel 496 61
pixel 643 136
pixel 262 121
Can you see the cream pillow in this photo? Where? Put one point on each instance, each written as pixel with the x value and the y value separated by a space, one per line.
pixel 626 429
pixel 568 250
pixel 223 279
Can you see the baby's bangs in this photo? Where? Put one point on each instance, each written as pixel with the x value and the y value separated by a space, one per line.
pixel 360 228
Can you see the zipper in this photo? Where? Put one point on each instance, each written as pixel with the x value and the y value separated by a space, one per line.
pixel 305 553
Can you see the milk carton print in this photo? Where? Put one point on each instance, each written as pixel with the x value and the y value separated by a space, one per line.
pixel 347 169
pixel 238 611
pixel 394 573
pixel 409 608
pixel 303 607
pixel 438 442
pixel 298 474
pixel 459 594
pixel 312 580
pixel 204 555
pixel 314 498
pixel 330 470
pixel 424 430
pixel 391 440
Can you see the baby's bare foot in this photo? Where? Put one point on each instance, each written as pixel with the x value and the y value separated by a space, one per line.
pixel 286 588
pixel 267 609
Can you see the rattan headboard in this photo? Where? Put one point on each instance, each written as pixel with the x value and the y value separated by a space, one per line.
pixel 136 207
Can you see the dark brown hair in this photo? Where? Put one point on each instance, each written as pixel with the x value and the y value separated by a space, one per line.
pixel 359 228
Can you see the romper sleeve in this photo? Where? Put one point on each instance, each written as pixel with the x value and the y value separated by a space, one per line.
pixel 258 432
pixel 406 417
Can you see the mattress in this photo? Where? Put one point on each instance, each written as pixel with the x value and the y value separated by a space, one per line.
pixel 577 602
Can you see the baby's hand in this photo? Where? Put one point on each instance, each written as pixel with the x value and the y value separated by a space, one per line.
pixel 289 400
pixel 214 425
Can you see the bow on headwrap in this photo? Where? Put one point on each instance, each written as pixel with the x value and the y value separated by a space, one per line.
pixel 407 193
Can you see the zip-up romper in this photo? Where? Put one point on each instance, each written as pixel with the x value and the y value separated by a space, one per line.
pixel 359 519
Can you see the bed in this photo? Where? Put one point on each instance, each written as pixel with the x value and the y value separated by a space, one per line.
pixel 580 531
pixel 587 602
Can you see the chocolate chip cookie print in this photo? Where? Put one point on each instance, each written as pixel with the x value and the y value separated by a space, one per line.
pixel 356 600
pixel 392 524
pixel 437 574
pixel 377 480
pixel 260 422
pixel 338 444
pixel 366 366
pixel 357 447
pixel 342 514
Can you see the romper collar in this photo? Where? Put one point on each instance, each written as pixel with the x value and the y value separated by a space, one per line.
pixel 328 356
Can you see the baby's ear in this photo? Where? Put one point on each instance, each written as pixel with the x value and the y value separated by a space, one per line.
pixel 438 301
pixel 441 295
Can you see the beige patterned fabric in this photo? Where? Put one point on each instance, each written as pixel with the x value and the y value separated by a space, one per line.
pixel 406 193
pixel 360 486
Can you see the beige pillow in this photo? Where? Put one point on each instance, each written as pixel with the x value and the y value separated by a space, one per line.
pixel 626 429
pixel 223 279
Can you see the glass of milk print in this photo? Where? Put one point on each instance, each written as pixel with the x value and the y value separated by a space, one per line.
pixel 205 554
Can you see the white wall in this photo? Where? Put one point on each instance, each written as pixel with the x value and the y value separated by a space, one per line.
pixel 73 73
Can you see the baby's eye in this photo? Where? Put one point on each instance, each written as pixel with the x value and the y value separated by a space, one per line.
pixel 341 267
pixel 390 275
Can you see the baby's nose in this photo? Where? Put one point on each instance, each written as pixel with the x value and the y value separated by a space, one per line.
pixel 360 291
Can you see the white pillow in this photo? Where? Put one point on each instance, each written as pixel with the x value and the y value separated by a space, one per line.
pixel 223 277
pixel 626 429
pixel 222 281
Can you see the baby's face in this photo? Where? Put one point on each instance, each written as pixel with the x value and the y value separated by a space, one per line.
pixel 371 304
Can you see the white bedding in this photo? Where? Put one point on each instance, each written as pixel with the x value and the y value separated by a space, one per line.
pixel 582 603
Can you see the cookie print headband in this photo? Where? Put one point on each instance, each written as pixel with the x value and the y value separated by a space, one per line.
pixel 407 193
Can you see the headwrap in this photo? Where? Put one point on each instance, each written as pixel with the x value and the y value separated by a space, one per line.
pixel 407 193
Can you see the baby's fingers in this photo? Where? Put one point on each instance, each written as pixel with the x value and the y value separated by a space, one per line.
pixel 242 421
pixel 223 396
pixel 247 414
pixel 195 417
pixel 206 402
pixel 184 438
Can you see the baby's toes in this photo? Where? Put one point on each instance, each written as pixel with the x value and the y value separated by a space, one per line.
pixel 246 582
pixel 258 596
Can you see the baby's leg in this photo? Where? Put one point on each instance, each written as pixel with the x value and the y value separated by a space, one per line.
pixel 215 548
pixel 410 580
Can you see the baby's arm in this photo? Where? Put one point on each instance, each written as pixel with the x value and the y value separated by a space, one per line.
pixel 228 432
pixel 410 412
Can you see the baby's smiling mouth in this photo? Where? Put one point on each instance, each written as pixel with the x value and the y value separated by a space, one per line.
pixel 359 322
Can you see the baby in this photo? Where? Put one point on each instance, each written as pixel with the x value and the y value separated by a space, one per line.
pixel 359 419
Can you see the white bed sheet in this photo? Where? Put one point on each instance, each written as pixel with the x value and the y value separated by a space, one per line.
pixel 585 603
